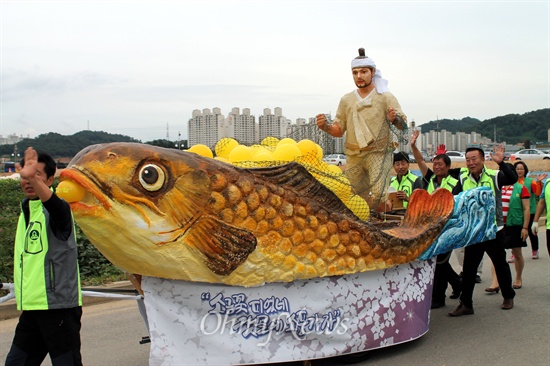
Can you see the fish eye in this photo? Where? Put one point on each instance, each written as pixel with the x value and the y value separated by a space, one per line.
pixel 151 177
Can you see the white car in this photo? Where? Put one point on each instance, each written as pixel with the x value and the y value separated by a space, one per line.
pixel 530 154
pixel 336 159
pixel 456 156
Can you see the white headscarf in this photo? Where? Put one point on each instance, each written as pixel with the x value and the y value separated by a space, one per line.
pixel 380 83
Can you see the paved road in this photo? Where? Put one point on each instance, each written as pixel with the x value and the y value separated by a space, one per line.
pixel 111 331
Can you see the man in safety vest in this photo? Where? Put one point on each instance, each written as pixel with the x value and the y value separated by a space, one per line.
pixel 433 179
pixel 544 202
pixel 478 175
pixel 405 182
pixel 46 276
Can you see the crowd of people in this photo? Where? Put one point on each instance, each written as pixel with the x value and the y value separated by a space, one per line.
pixel 516 198
pixel 516 217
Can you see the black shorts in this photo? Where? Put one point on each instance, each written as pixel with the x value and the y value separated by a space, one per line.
pixel 513 237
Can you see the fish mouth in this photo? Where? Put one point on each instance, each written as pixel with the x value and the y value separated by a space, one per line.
pixel 94 199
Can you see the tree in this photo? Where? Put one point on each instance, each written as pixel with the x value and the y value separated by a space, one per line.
pixel 162 143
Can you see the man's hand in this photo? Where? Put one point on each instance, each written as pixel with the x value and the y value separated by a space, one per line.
pixel 535 227
pixel 402 195
pixel 441 149
pixel 321 121
pixel 391 115
pixel 498 156
pixel 414 137
pixel 30 170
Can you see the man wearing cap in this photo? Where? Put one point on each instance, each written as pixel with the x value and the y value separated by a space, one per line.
pixel 405 182
pixel 365 116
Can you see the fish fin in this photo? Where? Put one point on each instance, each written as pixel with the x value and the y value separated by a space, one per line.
pixel 224 247
pixel 294 177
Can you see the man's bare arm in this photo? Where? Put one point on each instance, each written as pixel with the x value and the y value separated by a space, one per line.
pixel 332 129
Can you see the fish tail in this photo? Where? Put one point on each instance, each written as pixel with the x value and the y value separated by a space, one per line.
pixel 426 216
pixel 424 209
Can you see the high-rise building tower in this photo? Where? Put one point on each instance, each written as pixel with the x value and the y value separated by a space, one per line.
pixel 244 126
pixel 273 124
pixel 204 128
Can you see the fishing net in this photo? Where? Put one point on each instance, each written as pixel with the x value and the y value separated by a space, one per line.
pixel 370 172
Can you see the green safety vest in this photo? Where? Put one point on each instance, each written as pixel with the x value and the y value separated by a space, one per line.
pixel 45 269
pixel 406 185
pixel 515 207
pixel 487 179
pixel 449 183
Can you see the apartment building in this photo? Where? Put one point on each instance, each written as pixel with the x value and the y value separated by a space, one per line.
pixel 273 124
pixel 206 127
pixel 209 126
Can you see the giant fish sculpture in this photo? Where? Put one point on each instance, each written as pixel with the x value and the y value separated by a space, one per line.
pixel 172 214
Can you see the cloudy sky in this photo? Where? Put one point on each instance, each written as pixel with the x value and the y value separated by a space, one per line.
pixel 136 67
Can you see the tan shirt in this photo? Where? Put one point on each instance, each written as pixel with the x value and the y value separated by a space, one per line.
pixel 372 112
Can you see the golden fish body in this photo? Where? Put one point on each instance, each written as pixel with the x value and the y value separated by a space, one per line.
pixel 172 214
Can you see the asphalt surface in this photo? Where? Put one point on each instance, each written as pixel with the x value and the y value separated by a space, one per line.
pixel 112 330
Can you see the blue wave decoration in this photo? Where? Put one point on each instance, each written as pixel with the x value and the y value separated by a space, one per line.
pixel 472 221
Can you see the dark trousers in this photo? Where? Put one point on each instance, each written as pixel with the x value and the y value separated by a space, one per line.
pixel 532 237
pixel 472 257
pixel 40 332
pixel 444 274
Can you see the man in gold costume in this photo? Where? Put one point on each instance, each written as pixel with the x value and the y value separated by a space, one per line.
pixel 365 116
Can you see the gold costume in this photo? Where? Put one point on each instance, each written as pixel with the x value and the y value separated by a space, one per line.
pixel 368 142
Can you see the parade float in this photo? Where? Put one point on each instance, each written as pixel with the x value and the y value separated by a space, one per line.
pixel 264 254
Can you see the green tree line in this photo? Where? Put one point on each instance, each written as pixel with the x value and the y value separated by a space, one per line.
pixel 61 146
pixel 512 128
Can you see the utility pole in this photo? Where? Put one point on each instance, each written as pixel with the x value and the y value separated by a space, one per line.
pixel 437 132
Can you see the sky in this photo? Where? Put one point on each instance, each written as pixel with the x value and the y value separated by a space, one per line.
pixel 140 68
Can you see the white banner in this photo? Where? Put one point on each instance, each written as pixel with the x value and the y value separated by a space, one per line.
pixel 208 324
